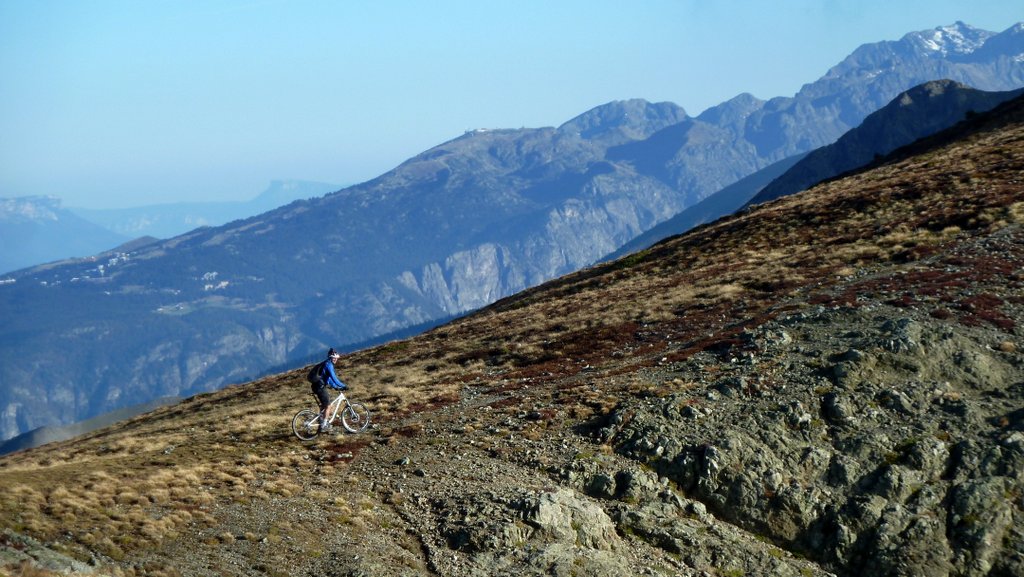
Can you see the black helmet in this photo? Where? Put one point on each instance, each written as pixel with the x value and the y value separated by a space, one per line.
pixel 333 353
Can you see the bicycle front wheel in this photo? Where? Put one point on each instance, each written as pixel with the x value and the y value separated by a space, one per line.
pixel 355 418
pixel 306 424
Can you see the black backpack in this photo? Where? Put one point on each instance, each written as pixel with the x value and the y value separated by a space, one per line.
pixel 315 375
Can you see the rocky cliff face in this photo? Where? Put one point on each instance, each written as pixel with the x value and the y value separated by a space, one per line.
pixel 865 438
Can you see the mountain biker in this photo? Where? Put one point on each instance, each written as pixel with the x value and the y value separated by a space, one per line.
pixel 327 378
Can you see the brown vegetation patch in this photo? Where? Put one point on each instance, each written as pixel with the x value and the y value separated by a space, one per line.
pixel 347 450
pixel 507 386
pixel 505 403
pixel 434 403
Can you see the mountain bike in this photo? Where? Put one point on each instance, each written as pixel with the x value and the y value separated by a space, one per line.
pixel 355 417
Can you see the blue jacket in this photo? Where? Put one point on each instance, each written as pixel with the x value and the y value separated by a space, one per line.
pixel 331 378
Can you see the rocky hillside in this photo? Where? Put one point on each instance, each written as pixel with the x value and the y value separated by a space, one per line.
pixel 827 384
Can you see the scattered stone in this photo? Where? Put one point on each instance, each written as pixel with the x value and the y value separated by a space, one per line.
pixel 833 409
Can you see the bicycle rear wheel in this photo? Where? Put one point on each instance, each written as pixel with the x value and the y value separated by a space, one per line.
pixel 306 424
pixel 355 418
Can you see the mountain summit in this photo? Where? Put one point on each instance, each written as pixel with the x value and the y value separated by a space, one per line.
pixel 957 40
pixel 624 121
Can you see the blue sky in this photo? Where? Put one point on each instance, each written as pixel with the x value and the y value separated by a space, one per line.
pixel 110 103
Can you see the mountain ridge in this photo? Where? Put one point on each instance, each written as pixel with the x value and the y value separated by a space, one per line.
pixel 914 114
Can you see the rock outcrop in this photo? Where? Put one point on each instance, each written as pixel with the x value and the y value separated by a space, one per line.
pixel 865 438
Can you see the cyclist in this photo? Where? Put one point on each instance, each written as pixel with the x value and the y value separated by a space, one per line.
pixel 327 378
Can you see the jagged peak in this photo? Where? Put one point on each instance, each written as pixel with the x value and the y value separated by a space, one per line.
pixel 957 38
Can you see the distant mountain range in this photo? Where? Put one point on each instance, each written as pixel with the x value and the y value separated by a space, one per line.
pixel 37 229
pixel 459 226
pixel 726 201
pixel 167 220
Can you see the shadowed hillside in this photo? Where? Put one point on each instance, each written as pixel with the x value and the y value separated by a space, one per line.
pixel 830 383
pixel 916 113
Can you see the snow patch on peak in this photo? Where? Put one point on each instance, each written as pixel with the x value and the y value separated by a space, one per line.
pixel 958 38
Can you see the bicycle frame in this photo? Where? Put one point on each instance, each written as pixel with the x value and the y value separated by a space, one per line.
pixel 333 408
pixel 336 405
